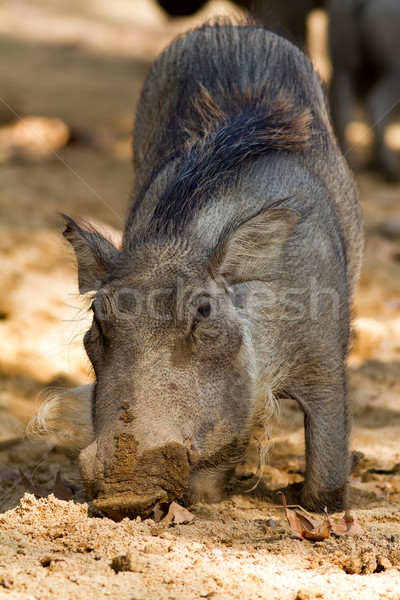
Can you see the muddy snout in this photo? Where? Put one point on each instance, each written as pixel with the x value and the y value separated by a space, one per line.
pixel 130 484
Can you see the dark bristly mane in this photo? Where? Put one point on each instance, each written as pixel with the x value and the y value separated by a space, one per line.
pixel 219 97
pixel 219 141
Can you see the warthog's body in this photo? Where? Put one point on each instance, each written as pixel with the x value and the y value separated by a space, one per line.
pixel 239 259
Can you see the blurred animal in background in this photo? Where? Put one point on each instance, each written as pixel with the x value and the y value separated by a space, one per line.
pixel 364 38
pixel 289 16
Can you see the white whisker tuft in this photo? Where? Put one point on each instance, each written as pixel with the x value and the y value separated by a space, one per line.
pixel 65 418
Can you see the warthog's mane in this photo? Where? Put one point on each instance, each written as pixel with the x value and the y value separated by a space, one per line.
pixel 219 141
pixel 230 115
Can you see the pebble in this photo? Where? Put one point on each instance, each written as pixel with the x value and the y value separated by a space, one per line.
pixel 127 562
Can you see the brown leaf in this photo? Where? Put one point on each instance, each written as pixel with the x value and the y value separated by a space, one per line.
pixel 320 532
pixel 60 490
pixel 31 488
pixel 348 526
pixel 177 514
pixel 305 527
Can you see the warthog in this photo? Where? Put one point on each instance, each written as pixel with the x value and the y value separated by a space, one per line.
pixel 233 282
pixel 365 51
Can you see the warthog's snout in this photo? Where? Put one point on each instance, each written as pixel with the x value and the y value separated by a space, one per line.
pixel 119 506
pixel 131 484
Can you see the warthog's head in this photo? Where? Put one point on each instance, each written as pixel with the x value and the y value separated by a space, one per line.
pixel 171 350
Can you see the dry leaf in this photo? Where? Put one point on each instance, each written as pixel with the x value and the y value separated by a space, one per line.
pixel 319 532
pixel 305 527
pixel 177 514
pixel 60 490
pixel 349 525
pixel 31 488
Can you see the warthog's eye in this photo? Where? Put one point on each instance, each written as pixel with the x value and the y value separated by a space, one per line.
pixel 203 312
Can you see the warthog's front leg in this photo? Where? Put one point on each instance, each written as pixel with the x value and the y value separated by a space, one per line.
pixel 327 429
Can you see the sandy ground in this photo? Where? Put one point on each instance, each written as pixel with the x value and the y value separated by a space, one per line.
pixel 88 73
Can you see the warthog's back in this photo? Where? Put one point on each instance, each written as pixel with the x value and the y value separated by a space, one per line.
pixel 227 71
pixel 227 61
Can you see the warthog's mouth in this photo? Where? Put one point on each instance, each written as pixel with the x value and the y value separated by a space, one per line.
pixel 128 504
pixel 131 485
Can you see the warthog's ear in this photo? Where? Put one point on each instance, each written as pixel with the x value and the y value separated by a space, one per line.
pixel 254 250
pixel 95 254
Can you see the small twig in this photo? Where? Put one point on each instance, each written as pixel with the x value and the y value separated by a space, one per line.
pixel 207 518
pixel 277 506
